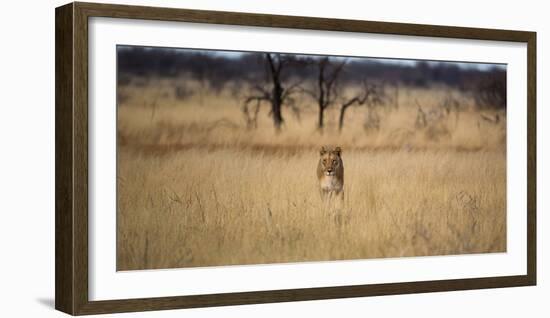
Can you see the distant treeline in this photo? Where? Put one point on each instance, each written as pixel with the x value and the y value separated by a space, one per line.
pixel 218 69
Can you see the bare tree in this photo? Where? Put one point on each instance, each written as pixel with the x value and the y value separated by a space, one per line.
pixel 370 95
pixel 356 100
pixel 251 116
pixel 326 90
pixel 272 92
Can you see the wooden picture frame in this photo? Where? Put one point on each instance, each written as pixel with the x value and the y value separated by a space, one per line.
pixel 71 221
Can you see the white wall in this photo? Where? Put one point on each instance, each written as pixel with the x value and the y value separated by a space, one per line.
pixel 27 157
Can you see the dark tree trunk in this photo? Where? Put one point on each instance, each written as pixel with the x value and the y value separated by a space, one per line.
pixel 326 87
pixel 341 119
pixel 343 111
pixel 277 97
pixel 321 101
pixel 276 104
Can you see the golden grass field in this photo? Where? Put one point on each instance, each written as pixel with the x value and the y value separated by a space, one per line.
pixel 197 188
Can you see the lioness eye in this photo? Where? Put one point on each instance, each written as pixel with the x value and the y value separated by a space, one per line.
pixel 333 162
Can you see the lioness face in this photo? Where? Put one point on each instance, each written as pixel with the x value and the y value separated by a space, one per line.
pixel 330 160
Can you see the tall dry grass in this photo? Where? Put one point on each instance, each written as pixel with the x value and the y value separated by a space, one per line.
pixel 196 188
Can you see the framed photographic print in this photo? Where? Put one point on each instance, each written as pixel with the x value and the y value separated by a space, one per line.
pixel 218 158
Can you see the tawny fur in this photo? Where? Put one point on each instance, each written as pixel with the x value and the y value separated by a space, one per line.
pixel 330 173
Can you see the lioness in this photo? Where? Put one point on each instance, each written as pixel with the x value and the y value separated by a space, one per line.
pixel 330 172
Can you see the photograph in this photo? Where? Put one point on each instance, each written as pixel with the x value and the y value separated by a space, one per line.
pixel 231 158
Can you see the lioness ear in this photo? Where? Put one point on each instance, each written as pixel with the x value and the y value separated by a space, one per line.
pixel 322 151
pixel 338 151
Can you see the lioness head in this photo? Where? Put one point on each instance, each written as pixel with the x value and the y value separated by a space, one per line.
pixel 330 162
